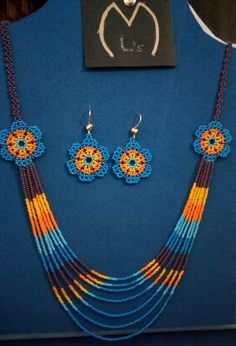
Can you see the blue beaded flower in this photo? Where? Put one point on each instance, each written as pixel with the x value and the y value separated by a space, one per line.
pixel 21 143
pixel 212 141
pixel 88 159
pixel 132 163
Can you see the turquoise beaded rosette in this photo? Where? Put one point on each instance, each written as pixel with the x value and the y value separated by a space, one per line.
pixel 88 159
pixel 212 141
pixel 21 143
pixel 133 162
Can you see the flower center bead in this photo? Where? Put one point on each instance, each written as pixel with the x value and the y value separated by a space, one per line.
pixel 212 141
pixel 88 160
pixel 132 162
pixel 21 143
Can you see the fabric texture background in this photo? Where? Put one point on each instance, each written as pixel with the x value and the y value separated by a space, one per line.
pixel 116 228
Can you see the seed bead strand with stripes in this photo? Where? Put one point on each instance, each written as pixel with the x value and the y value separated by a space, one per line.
pixel 89 297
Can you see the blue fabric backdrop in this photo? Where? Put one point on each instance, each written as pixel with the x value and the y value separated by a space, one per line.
pixel 114 227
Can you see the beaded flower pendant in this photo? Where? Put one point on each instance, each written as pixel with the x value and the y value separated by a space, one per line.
pixel 212 141
pixel 132 163
pixel 88 159
pixel 21 143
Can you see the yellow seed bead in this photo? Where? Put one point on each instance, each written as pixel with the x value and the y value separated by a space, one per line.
pixel 89 127
pixel 134 131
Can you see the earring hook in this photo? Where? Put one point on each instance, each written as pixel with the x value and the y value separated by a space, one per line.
pixel 135 129
pixel 89 126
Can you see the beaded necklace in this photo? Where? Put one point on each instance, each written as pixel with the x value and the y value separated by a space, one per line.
pixel 80 290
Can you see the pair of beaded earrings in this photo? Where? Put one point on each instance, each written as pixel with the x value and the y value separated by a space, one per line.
pixel 88 159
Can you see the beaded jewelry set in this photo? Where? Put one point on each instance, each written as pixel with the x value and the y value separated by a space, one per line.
pixel 86 295
pixel 89 160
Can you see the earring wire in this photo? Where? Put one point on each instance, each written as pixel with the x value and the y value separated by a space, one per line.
pixel 89 126
pixel 135 129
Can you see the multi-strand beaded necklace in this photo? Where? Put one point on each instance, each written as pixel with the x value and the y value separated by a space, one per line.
pixel 83 292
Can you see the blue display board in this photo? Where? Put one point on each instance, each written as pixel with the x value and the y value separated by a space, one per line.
pixel 114 227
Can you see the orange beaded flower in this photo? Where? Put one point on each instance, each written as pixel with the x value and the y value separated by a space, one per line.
pixel 212 141
pixel 21 143
pixel 88 159
pixel 132 163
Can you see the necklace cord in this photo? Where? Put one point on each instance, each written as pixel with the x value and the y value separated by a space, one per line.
pixel 223 82
pixel 16 112
pixel 11 80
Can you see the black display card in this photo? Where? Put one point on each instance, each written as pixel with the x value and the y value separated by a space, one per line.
pixel 116 35
pixel 219 16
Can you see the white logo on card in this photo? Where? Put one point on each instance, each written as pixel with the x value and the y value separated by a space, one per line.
pixel 129 22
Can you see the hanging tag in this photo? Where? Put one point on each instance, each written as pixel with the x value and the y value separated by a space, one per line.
pixel 128 33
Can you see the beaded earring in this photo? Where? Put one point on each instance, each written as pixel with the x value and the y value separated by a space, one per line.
pixel 88 159
pixel 132 162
